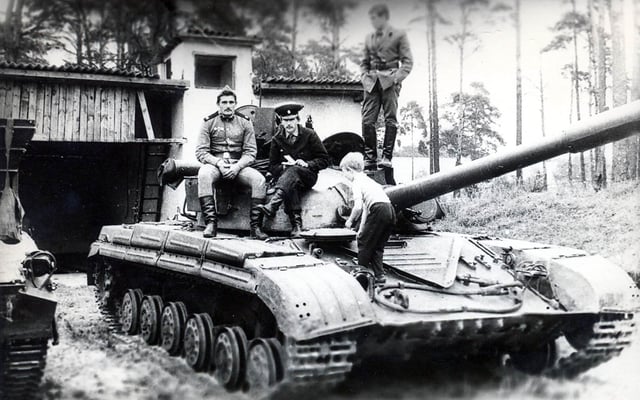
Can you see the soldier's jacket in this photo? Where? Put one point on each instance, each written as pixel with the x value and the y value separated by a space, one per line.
pixel 234 135
pixel 380 55
pixel 307 147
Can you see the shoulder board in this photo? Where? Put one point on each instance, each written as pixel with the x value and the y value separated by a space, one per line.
pixel 210 116
pixel 239 114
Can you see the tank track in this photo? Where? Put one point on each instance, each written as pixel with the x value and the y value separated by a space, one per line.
pixel 23 362
pixel 608 338
pixel 317 365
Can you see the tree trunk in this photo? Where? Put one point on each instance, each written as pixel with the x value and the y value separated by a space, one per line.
pixel 620 161
pixel 295 7
pixel 635 83
pixel 433 90
pixel 519 87
pixel 542 128
pixel 600 178
pixel 577 85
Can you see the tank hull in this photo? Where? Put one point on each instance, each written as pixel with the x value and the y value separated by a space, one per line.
pixel 309 301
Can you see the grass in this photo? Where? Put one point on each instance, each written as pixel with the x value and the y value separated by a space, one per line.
pixel 605 222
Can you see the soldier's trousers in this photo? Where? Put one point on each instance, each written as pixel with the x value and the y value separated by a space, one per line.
pixel 387 99
pixel 373 236
pixel 209 174
pixel 294 181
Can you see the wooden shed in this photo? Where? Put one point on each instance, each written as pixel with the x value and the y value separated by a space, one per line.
pixel 100 136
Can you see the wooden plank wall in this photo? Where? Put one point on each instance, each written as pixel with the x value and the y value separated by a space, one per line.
pixel 71 113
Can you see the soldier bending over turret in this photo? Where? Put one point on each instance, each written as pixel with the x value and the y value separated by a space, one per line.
pixel 378 215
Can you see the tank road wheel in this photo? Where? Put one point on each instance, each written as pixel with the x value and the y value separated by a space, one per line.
pixel 262 367
pixel 172 327
pixel 535 361
pixel 150 315
pixel 198 340
pixel 229 358
pixel 130 311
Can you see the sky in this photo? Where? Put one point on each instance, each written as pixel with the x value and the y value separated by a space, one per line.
pixel 493 63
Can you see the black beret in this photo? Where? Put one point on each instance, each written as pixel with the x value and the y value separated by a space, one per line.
pixel 288 109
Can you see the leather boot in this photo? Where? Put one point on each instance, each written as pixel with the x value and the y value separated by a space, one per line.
pixel 272 206
pixel 255 220
pixel 388 144
pixel 208 206
pixel 370 146
pixel 296 223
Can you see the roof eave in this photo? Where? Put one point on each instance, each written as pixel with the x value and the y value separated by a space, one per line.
pixel 76 77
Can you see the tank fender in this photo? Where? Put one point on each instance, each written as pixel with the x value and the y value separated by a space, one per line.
pixel 312 299
pixel 592 283
pixel 33 312
pixel 582 282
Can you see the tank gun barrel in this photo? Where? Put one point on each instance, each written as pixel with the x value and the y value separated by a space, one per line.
pixel 616 124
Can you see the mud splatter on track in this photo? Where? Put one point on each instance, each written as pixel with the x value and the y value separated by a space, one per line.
pixel 92 363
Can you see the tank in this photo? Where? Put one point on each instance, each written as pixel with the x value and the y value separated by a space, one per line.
pixel 27 307
pixel 300 314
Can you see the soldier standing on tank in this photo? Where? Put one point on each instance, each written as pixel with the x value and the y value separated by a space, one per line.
pixel 226 147
pixel 385 64
pixel 377 216
pixel 295 157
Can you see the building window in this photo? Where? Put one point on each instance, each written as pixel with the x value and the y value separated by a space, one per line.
pixel 214 72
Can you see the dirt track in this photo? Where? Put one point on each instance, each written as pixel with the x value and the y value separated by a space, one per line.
pixel 91 363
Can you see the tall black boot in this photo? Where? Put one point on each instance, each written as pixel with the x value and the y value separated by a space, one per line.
pixel 272 206
pixel 388 144
pixel 370 146
pixel 208 206
pixel 255 220
pixel 295 217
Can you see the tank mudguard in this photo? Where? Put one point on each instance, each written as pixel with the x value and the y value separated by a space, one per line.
pixel 311 298
pixel 32 315
pixel 581 282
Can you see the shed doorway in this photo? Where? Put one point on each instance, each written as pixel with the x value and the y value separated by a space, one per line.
pixel 70 190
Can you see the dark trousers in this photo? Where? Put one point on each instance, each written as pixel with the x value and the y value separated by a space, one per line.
pixel 373 236
pixel 387 99
pixel 294 181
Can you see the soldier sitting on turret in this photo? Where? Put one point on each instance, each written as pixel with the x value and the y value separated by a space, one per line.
pixel 226 147
pixel 378 215
pixel 295 157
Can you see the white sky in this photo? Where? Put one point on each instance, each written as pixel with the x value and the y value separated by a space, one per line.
pixel 492 64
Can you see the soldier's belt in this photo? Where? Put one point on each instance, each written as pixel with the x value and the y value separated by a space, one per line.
pixel 380 66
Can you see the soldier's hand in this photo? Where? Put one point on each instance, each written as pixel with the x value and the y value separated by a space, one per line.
pixel 348 224
pixel 302 163
pixel 231 172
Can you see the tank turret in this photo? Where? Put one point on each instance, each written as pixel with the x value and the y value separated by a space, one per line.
pixel 299 313
pixel 27 308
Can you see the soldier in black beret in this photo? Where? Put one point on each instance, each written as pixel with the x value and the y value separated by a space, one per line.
pixel 295 157
pixel 227 148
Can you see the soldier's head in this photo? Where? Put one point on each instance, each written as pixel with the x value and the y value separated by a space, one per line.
pixel 351 164
pixel 289 117
pixel 379 16
pixel 226 102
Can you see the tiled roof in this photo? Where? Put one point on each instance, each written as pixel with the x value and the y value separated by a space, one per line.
pixel 78 69
pixel 311 81
pixel 207 32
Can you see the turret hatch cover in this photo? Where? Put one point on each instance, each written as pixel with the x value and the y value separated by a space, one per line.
pixel 329 235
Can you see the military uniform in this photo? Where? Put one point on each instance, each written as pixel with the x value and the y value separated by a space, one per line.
pixel 385 64
pixel 234 136
pixel 293 180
